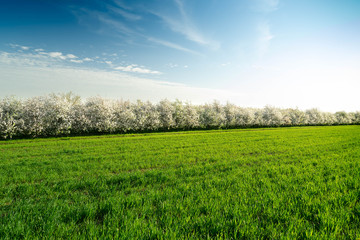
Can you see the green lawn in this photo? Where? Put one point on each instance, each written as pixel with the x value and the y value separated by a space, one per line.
pixel 255 183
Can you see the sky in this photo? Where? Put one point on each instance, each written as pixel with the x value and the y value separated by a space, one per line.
pixel 284 53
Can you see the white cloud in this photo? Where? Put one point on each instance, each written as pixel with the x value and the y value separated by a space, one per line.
pixel 297 83
pixel 56 59
pixel 225 64
pixel 60 55
pixel 39 57
pixel 38 80
pixel 136 69
pixel 57 55
pixel 71 56
pixel 76 61
pixel 27 59
pixel 172 65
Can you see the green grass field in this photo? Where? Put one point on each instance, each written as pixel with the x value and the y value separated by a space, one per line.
pixel 255 183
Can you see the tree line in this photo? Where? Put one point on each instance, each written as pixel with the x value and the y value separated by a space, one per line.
pixel 67 114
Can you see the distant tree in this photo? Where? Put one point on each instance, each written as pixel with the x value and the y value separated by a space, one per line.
pixel 123 116
pixel 245 117
pixel 11 123
pixel 296 117
pixel 178 115
pixel 191 117
pixel 212 115
pixel 147 117
pixel 33 115
pixel 328 118
pixel 343 118
pixel 230 113
pixel 99 115
pixel 271 116
pixel 59 114
pixel 56 116
pixel 356 117
pixel 314 117
pixel 166 110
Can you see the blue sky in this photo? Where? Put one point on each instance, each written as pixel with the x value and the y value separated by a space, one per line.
pixel 253 53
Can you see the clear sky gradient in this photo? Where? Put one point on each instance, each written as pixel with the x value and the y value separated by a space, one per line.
pixel 253 53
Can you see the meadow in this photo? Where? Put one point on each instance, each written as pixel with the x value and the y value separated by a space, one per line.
pixel 263 183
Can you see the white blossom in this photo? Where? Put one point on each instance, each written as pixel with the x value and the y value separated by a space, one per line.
pixel 64 114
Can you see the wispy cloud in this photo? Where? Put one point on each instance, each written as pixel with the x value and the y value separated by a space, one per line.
pixel 272 4
pixel 185 26
pixel 122 5
pixel 264 37
pixel 125 14
pixel 136 69
pixel 19 46
pixel 107 22
pixel 130 31
pixel 117 25
pixel 265 5
pixel 172 45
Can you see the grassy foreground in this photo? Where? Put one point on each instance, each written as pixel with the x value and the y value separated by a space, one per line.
pixel 231 184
